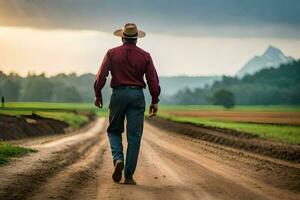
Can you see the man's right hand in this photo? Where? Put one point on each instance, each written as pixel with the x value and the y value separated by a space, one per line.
pixel 98 102
pixel 153 109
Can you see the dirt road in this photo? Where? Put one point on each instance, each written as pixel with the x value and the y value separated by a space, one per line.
pixel 171 166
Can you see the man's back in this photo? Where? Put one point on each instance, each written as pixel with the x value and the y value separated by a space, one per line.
pixel 128 65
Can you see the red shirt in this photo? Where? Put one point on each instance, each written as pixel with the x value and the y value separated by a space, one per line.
pixel 128 64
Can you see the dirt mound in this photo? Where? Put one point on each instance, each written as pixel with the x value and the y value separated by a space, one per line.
pixel 232 139
pixel 19 127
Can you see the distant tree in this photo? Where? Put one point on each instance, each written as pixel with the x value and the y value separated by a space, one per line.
pixel 225 98
pixel 2 97
pixel 189 97
pixel 72 95
pixel 64 93
pixel 11 90
pixel 38 88
pixel 2 77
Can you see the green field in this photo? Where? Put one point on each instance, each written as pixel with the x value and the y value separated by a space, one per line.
pixel 8 150
pixel 284 133
pixel 49 106
pixel 289 134
pixel 72 119
pixel 71 113
pixel 90 107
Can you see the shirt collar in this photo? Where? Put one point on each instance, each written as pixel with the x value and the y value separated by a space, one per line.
pixel 129 44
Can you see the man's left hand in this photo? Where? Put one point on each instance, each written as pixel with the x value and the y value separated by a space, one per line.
pixel 98 102
pixel 153 109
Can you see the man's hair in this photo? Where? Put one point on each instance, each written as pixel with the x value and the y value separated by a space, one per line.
pixel 129 40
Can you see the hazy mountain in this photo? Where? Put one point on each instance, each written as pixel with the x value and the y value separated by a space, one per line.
pixel 172 84
pixel 273 86
pixel 273 57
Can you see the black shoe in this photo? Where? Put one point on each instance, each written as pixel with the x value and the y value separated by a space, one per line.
pixel 117 174
pixel 130 181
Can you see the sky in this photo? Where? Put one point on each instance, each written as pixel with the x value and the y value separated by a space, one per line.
pixel 191 37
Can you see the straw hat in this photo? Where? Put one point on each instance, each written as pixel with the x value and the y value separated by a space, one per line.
pixel 130 30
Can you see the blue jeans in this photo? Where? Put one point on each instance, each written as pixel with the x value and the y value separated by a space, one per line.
pixel 129 103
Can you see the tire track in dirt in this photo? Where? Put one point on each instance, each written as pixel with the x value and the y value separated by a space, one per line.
pixel 149 185
pixel 169 169
pixel 65 183
pixel 191 181
pixel 275 172
pixel 53 157
pixel 210 165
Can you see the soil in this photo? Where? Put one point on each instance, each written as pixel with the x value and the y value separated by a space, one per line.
pixel 25 126
pixel 280 118
pixel 171 166
pixel 233 139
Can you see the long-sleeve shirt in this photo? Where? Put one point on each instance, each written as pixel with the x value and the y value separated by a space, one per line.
pixel 128 64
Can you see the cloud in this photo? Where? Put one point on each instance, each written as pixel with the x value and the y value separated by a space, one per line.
pixel 230 18
pixel 52 52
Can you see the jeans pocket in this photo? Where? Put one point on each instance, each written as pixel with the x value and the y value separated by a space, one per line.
pixel 112 99
pixel 141 103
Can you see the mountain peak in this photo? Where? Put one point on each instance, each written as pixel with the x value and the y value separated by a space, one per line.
pixel 272 50
pixel 272 57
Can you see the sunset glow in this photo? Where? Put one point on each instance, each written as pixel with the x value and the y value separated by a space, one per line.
pixel 26 50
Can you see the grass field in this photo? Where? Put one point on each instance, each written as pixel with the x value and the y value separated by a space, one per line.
pixel 258 120
pixel 8 150
pixel 72 119
pixel 50 106
pixel 71 113
pixel 276 122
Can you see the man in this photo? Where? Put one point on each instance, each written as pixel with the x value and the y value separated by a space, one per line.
pixel 127 64
pixel 3 101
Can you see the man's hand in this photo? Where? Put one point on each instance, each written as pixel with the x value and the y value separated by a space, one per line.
pixel 153 109
pixel 98 102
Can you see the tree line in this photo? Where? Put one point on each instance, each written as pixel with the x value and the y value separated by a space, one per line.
pixel 269 86
pixel 59 88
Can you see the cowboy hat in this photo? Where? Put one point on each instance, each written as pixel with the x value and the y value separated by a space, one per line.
pixel 130 30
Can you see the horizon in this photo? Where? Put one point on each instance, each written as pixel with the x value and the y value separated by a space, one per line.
pixel 37 73
pixel 30 73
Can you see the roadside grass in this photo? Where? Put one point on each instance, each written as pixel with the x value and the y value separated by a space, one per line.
pixel 102 113
pixel 8 151
pixel 283 133
pixel 49 106
pixel 73 119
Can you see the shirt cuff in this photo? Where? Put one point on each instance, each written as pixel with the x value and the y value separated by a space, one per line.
pixel 155 100
pixel 98 96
